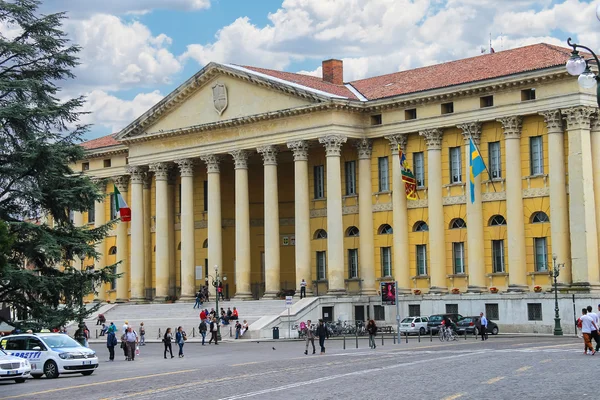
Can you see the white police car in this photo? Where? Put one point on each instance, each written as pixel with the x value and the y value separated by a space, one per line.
pixel 51 354
pixel 13 368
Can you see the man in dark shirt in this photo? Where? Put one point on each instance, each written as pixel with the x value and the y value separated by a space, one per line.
pixel 322 333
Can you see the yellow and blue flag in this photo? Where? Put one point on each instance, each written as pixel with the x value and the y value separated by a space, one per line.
pixel 476 167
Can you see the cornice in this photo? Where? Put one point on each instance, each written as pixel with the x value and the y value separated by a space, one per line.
pixel 106 151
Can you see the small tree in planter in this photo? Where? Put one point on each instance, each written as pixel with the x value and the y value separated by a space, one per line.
pixel 456 291
pixel 537 288
pixel 493 289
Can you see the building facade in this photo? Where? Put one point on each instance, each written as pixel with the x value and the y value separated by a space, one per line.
pixel 273 177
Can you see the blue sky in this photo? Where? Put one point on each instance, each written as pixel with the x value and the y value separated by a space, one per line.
pixel 137 51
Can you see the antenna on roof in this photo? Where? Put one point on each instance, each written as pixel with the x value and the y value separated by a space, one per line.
pixel 491 48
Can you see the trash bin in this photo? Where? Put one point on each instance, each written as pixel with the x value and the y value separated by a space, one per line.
pixel 276 332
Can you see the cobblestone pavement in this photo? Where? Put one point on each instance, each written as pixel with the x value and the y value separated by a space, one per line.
pixel 501 367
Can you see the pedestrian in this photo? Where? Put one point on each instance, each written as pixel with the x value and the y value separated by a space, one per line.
pixel 302 288
pixel 238 329
pixel 112 328
pixel 205 294
pixel 322 333
pixel 372 330
pixel 213 330
pixel 220 291
pixel 142 334
pixel 86 335
pixel 180 338
pixel 202 330
pixel 202 315
pixel 309 334
pixel 484 324
pixel 198 300
pixel 595 334
pixel 131 339
pixel 125 327
pixel 587 325
pixel 244 328
pixel 167 339
pixel 111 342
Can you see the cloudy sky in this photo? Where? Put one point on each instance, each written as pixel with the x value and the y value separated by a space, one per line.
pixel 137 51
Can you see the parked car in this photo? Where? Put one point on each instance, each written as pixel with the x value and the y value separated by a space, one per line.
pixel 468 325
pixel 414 325
pixel 436 320
pixel 13 368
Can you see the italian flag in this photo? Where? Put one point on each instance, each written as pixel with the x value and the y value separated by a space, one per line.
pixel 121 206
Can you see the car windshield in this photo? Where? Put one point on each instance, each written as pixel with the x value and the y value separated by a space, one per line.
pixel 406 320
pixel 59 341
pixel 435 318
pixel 466 320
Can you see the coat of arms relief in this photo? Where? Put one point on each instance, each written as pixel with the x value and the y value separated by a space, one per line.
pixel 219 97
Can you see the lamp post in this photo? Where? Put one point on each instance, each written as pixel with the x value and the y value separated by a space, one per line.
pixel 554 273
pixel 79 334
pixel 579 66
pixel 216 280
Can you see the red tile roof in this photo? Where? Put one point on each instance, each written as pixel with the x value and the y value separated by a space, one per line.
pixel 104 141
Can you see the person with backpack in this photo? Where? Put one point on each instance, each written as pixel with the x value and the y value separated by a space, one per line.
pixel 372 330
pixel 180 338
pixel 167 338
pixel 213 330
pixel 202 330
pixel 309 334
pixel 111 342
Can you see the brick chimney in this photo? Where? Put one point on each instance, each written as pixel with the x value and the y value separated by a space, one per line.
pixel 333 71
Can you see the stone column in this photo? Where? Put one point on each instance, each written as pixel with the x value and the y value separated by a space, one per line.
pixel 400 217
pixel 475 245
pixel 215 238
pixel 242 226
pixel 517 263
pixel 188 242
pixel 366 252
pixel 122 183
pixel 582 204
pixel 136 174
pixel 302 215
pixel 559 211
pixel 437 240
pixel 173 268
pixel 161 255
pixel 272 259
pixel 595 145
pixel 335 225
pixel 100 219
pixel 148 236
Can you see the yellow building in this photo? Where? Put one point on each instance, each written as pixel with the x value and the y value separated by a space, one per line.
pixel 275 177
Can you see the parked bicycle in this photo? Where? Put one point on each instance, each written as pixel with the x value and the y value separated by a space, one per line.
pixel 447 334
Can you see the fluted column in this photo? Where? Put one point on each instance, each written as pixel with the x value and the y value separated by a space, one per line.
pixel 242 225
pixel 366 240
pixel 215 238
pixel 400 216
pixel 302 215
pixel 595 141
pixel 435 205
pixel 475 245
pixel 136 174
pixel 171 183
pixel 161 256
pixel 559 211
pixel 335 225
pixel 517 263
pixel 582 204
pixel 188 258
pixel 122 183
pixel 100 219
pixel 272 259
pixel 147 236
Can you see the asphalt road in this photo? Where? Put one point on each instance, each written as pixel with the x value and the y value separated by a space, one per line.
pixel 501 367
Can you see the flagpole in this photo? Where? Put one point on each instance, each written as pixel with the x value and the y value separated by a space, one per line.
pixel 484 164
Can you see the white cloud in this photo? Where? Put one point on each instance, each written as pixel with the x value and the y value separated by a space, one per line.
pixel 86 8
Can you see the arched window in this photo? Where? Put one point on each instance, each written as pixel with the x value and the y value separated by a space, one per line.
pixel 179 246
pixel 539 217
pixel 420 226
pixel 385 229
pixel 320 234
pixel 497 220
pixel 458 223
pixel 112 251
pixel 352 231
pixel 205 244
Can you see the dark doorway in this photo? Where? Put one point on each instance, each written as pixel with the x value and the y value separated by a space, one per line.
pixel 359 313
pixel 328 314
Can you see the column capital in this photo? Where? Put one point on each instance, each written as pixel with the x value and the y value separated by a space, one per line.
pixel 300 149
pixel 186 166
pixel 269 154
pixel 148 180
pixel 136 173
pixel 161 170
pixel 212 162
pixel 399 139
pixel 364 148
pixel 433 138
pixel 333 144
pixel 578 117
pixel 471 130
pixel 122 182
pixel 240 158
pixel 554 120
pixel 512 126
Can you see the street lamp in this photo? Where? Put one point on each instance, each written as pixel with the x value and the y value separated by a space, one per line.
pixel 79 334
pixel 554 272
pixel 216 280
pixel 579 66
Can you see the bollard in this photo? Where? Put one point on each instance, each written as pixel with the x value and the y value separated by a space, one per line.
pixel 159 335
pixel 357 338
pixel 419 336
pixel 230 331
pixel 394 339
pixel 382 335
pixel 344 341
pixel 465 334
pixel 193 332
pixel 406 337
pixel 431 335
pixel 96 333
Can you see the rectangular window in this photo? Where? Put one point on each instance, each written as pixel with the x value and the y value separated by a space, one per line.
pixel 537 155
pixel 494 161
pixel 498 255
pixel 386 261
pixel 113 208
pixel 107 163
pixel 350 168
pixel 534 311
pixel 352 263
pixel 384 174
pixel 91 215
pixel 379 312
pixel 414 310
pixel 205 196
pixel 410 114
pixel 321 266
pixel 421 259
pixel 541 254
pixel 452 309
pixel 527 94
pixel 113 283
pixel 447 108
pixel 458 252
pixel 486 101
pixel 491 311
pixel 419 166
pixel 376 119
pixel 455 165
pixel 319 181
pixel 85 166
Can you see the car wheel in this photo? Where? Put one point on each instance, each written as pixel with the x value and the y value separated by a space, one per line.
pixel 495 330
pixel 422 331
pixel 87 373
pixel 20 380
pixel 36 376
pixel 51 369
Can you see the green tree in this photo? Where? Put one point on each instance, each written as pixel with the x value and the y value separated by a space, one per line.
pixel 39 139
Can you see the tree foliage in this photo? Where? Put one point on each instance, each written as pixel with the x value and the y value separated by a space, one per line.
pixel 39 140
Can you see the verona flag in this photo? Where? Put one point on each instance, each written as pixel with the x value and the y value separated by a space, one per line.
pixel 121 206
